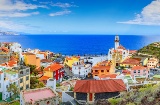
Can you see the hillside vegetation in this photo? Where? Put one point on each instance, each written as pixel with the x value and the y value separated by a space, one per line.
pixel 152 49
pixel 146 95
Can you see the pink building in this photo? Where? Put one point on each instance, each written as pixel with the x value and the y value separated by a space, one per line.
pixel 139 71
pixel 41 96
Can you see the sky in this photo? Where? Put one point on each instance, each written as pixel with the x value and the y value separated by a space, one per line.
pixel 122 17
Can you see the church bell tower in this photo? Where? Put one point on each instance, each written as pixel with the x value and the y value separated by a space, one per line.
pixel 116 41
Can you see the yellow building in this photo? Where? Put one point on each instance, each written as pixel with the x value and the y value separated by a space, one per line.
pixel 24 78
pixel 31 59
pixel 70 60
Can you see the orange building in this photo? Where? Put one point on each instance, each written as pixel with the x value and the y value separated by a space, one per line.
pixel 102 68
pixel 31 59
pixel 54 71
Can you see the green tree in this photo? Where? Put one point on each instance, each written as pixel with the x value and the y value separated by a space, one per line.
pixel 14 89
pixel 32 68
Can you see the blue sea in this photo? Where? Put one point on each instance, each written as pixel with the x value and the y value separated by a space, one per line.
pixel 79 44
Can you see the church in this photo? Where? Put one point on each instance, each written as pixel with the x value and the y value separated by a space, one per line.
pixel 117 54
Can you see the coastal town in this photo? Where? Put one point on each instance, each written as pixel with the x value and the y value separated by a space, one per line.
pixel 35 77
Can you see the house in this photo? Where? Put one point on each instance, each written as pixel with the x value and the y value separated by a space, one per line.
pixel 102 68
pixel 4 55
pixel 16 48
pixel 139 72
pixel 80 69
pixel 31 59
pixel 70 60
pixel 119 53
pixel 92 90
pixel 152 63
pixel 24 77
pixel 7 77
pixel 54 71
pixel 41 96
pixel 45 62
pixel 132 52
pixel 130 62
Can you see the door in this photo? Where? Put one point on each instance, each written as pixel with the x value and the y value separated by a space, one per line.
pixel 90 96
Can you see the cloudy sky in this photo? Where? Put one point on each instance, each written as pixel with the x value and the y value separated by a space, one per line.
pixel 131 17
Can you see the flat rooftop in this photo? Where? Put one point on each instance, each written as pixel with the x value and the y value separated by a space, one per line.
pixel 38 94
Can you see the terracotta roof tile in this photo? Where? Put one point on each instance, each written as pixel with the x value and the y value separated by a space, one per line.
pixel 101 68
pixel 121 47
pixel 131 61
pixel 44 78
pixel 138 68
pixel 99 86
pixel 132 51
pixel 46 60
pixel 28 53
pixel 53 67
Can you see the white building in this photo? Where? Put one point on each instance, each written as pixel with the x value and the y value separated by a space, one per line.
pixel 41 96
pixel 51 83
pixel 41 56
pixel 7 77
pixel 16 47
pixel 118 48
pixel 79 69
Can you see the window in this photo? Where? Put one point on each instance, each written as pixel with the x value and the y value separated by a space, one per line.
pixel 21 88
pixel 6 86
pixel 27 70
pixel 48 102
pixel 134 71
pixel 0 85
pixel 27 86
pixel 0 76
pixel 102 70
pixel 37 103
pixel 21 80
pixel 21 72
pixel 138 71
pixel 107 70
pixel 27 78
pixel 96 70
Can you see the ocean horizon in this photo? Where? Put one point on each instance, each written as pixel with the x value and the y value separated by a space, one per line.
pixel 79 44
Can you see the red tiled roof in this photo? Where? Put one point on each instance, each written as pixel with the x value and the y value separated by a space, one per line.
pixel 138 68
pixel 44 78
pixel 1 72
pixel 99 86
pixel 132 51
pixel 67 58
pixel 53 67
pixel 121 47
pixel 131 61
pixel 46 60
pixel 101 68
pixel 28 53
pixel 5 49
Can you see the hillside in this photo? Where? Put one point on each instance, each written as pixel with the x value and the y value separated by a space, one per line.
pixel 152 49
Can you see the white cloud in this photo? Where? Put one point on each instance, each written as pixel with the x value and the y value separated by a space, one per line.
pixel 150 15
pixel 9 25
pixel 8 8
pixel 65 12
pixel 17 14
pixel 63 5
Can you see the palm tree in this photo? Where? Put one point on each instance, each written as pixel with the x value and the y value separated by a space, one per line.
pixel 13 88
